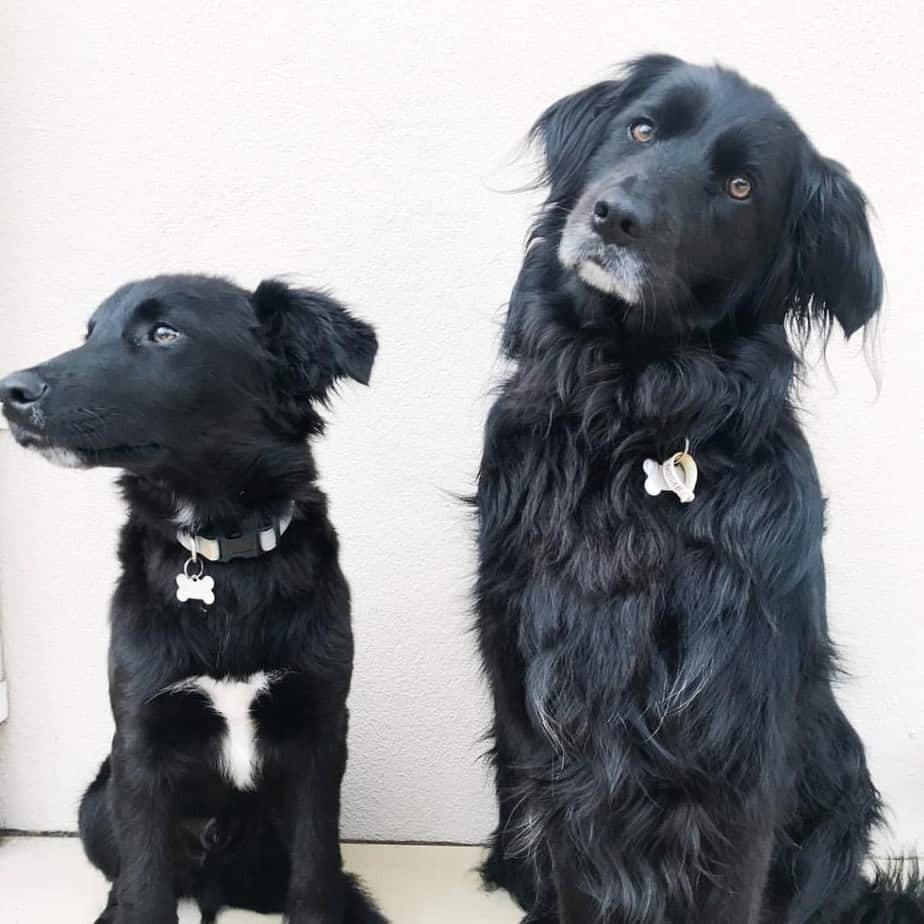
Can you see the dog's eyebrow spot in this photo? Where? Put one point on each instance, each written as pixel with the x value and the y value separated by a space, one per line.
pixel 148 310
pixel 681 110
pixel 732 150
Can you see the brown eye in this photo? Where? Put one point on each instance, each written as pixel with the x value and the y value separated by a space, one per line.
pixel 739 187
pixel 642 131
pixel 163 334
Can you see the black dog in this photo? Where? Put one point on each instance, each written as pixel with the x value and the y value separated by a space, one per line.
pixel 666 740
pixel 230 666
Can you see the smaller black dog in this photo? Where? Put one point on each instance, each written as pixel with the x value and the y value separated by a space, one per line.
pixel 231 650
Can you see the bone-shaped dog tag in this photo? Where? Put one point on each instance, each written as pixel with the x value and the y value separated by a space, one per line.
pixel 195 588
pixel 677 474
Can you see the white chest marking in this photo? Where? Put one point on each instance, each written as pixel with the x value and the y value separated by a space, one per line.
pixel 232 699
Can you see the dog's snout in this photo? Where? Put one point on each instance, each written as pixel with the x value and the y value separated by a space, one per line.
pixel 22 390
pixel 618 220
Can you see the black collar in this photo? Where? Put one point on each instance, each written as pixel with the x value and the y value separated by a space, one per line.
pixel 258 534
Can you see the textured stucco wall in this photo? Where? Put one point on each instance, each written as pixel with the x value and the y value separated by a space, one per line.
pixel 367 146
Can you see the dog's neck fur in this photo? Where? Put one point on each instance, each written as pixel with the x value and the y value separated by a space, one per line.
pixel 623 386
pixel 162 507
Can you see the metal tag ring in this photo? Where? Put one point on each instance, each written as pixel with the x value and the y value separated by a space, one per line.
pixel 199 573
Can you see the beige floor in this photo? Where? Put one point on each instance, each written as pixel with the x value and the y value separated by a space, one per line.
pixel 45 880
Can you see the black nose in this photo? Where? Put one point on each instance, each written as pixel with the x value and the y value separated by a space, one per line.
pixel 617 220
pixel 22 389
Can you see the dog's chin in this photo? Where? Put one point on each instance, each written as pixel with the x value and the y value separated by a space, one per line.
pixel 79 457
pixel 59 455
pixel 622 281
pixel 66 458
pixel 611 270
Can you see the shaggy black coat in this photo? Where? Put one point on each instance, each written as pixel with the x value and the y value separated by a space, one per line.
pixel 666 740
pixel 204 394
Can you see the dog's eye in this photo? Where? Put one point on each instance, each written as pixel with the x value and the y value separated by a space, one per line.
pixel 163 333
pixel 739 187
pixel 642 131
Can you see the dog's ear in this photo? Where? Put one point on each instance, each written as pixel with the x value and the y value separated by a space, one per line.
pixel 314 338
pixel 836 273
pixel 570 130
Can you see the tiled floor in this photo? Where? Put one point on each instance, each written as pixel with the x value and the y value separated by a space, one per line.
pixel 45 880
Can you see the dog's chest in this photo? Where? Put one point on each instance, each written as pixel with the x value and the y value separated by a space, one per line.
pixel 232 701
pixel 564 505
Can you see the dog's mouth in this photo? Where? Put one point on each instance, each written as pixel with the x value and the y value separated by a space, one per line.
pixel 76 456
pixel 614 272
pixel 607 268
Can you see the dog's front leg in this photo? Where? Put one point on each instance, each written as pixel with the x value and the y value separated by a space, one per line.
pixel 515 862
pixel 144 887
pixel 741 899
pixel 317 886
pixel 574 906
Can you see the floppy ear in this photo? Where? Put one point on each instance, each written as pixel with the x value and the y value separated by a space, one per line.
pixel 571 129
pixel 836 272
pixel 314 338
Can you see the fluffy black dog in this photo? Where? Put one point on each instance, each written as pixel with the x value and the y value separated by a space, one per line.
pixel 230 668
pixel 666 741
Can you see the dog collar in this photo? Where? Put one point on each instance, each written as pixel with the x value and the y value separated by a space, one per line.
pixel 256 536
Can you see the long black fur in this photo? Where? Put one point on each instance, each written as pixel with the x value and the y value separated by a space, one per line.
pixel 666 741
pixel 211 427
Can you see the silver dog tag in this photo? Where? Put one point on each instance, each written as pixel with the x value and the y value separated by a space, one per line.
pixel 195 588
pixel 198 586
pixel 677 474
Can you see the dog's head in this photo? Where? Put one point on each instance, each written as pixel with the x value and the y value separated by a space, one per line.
pixel 680 196
pixel 190 378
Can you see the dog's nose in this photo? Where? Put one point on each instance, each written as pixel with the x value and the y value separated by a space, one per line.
pixel 617 220
pixel 22 389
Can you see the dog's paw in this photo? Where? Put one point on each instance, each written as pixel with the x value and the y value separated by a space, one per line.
pixel 140 913
pixel 128 918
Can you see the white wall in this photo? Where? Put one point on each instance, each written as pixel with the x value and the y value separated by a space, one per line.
pixel 364 144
